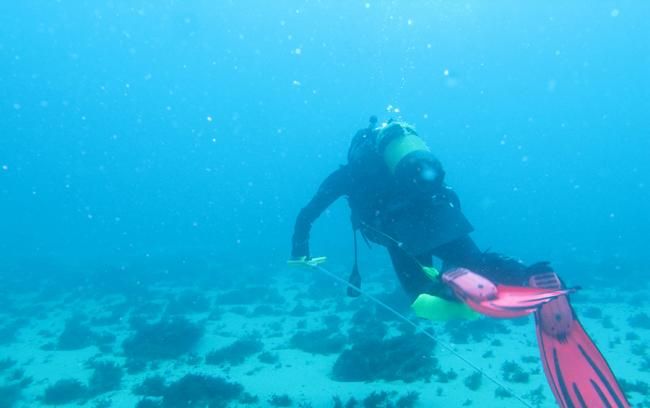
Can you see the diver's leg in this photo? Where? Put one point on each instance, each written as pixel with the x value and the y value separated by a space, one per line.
pixel 498 268
pixel 461 252
pixel 409 273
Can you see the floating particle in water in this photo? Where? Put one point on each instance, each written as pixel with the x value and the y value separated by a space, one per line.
pixel 295 82
pixel 392 109
pixel 17 106
pixel 615 12
pixel 367 5
pixel 445 72
pixel 297 51
pixel 209 118
pixel 5 167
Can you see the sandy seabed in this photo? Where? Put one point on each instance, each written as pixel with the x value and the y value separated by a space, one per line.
pixel 288 340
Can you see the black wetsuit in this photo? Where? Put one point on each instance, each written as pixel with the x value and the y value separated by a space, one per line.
pixel 414 228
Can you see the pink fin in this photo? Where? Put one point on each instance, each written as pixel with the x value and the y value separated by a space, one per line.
pixel 576 370
pixel 498 301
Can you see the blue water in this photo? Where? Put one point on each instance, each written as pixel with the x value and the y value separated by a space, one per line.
pixel 144 129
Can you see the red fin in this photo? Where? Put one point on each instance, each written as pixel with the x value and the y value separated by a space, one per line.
pixel 576 370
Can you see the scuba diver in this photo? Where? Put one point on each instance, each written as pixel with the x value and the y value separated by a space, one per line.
pixel 398 198
pixel 395 187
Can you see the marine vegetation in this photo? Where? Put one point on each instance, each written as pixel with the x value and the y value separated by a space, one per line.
pixel 9 395
pixel 640 321
pixel 106 376
pixel 406 358
pixel 473 381
pixel 512 372
pixel 235 353
pixel 322 341
pixel 65 391
pixel 166 339
pixel 191 391
pixel 280 400
pixel 197 390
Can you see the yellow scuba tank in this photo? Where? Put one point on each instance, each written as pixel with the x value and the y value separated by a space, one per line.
pixel 408 157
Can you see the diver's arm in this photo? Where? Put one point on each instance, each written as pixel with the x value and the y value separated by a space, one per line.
pixel 335 185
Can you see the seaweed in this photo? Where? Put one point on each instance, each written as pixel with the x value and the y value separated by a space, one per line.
pixel 197 390
pixel 406 358
pixel 645 364
pixel 445 376
pixel 513 372
pixel 318 342
pixel 473 381
pixel 65 391
pixel 639 387
pixel 280 400
pixel 135 365
pixel 106 376
pixel 6 363
pixel 502 393
pixel 10 395
pixel 408 400
pixel 148 403
pixel 377 399
pixel 166 339
pixel 153 386
pixel 536 396
pixel 75 335
pixel 235 353
pixel 332 322
pixel 639 321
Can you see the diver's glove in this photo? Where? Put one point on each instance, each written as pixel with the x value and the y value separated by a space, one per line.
pixel 307 261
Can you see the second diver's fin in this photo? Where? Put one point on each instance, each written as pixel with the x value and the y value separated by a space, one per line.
pixel 576 370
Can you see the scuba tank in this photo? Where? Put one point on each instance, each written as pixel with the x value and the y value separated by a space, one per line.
pixel 409 159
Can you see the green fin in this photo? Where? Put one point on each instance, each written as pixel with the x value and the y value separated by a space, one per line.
pixel 436 308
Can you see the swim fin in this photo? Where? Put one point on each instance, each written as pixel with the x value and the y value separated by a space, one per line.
pixel 575 369
pixel 494 300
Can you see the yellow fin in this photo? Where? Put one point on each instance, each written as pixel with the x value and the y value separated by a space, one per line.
pixel 436 308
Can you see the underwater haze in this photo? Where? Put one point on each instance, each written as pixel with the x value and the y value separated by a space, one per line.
pixel 155 134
